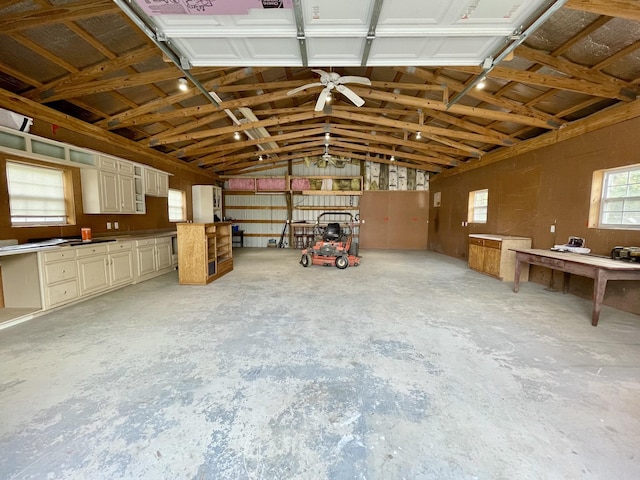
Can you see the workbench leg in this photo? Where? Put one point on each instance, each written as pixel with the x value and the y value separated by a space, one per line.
pixel 599 286
pixel 566 278
pixel 516 276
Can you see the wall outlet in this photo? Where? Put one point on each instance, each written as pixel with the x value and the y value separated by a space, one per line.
pixel 115 225
pixel 108 225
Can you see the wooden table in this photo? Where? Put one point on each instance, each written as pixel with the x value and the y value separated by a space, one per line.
pixel 601 269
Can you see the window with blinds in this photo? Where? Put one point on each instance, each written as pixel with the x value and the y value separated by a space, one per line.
pixel 36 195
pixel 177 210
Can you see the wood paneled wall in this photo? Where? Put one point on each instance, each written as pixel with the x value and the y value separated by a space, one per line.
pixel 530 192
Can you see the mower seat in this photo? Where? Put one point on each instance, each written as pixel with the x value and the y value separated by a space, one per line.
pixel 332 232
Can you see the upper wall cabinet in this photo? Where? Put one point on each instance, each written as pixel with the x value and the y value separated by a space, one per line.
pixel 156 183
pixel 109 189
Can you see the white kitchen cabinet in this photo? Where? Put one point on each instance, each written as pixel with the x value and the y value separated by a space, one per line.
pixel 207 203
pixel 120 262
pixel 93 272
pixel 156 183
pixel 110 188
pixel 154 256
pixel 104 266
pixel 58 277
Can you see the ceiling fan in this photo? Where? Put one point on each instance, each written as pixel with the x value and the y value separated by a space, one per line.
pixel 326 159
pixel 331 80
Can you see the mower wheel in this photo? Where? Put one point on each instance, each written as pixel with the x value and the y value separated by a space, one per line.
pixel 305 261
pixel 342 262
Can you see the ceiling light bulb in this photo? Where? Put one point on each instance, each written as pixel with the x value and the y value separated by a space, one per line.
pixel 236 135
pixel 481 84
pixel 329 98
pixel 327 136
pixel 260 158
pixel 182 84
pixel 393 158
pixel 418 135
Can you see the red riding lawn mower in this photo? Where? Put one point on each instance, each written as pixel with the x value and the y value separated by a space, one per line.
pixel 334 243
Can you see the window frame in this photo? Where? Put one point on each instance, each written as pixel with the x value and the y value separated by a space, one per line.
pixel 183 196
pixel 599 201
pixel 473 207
pixel 67 192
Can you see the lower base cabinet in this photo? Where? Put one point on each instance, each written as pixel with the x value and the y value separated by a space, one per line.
pixel 493 255
pixel 154 257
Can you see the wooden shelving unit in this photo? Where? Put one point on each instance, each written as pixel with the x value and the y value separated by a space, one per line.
pixel 204 252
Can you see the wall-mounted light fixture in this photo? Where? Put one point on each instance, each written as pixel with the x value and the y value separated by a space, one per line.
pixel 183 85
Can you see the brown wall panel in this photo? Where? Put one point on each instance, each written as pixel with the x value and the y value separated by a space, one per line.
pixel 530 192
pixel 394 220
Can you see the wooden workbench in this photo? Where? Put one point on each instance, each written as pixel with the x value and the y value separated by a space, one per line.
pixel 601 269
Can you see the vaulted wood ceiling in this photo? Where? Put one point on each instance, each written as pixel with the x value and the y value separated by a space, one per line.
pixel 85 65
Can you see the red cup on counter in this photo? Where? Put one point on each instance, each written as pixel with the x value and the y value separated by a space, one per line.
pixel 86 234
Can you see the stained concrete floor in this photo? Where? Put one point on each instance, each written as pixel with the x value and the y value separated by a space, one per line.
pixel 410 366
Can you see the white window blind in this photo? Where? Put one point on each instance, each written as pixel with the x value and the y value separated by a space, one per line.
pixel 36 195
pixel 176 206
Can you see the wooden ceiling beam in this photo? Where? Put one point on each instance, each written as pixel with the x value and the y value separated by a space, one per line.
pixel 231 129
pixel 613 8
pixel 483 96
pixel 102 68
pixel 19 104
pixel 549 81
pixel 273 151
pixel 416 146
pixel 457 109
pixel 389 151
pixel 90 87
pixel 568 68
pixel 401 125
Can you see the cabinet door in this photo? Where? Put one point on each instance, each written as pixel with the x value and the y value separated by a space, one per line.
pixel 93 275
pixel 163 184
pixel 476 257
pixel 146 260
pixel 127 194
pixel 121 267
pixel 163 249
pixel 109 192
pixel 491 263
pixel 150 182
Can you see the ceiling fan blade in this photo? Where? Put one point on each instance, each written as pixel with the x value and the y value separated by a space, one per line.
pixel 322 73
pixel 304 87
pixel 351 95
pixel 322 99
pixel 353 79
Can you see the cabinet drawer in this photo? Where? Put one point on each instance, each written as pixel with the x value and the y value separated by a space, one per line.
pixel 149 241
pixel 86 251
pixel 57 272
pixel 475 241
pixel 61 293
pixel 493 244
pixel 162 240
pixel 59 255
pixel 119 246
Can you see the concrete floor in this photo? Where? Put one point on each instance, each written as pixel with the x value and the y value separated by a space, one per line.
pixel 410 366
